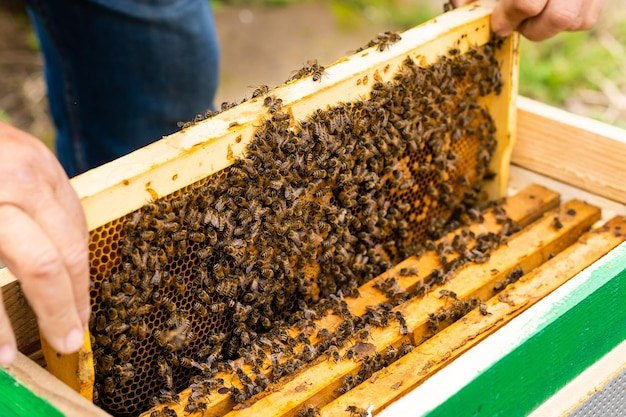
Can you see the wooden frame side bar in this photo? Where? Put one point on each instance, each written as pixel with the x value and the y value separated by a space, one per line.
pixel 573 149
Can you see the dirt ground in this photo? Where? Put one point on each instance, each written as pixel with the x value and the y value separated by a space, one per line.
pixel 259 45
pixel 22 88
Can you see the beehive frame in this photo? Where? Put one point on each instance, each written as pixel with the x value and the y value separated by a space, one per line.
pixel 208 147
pixel 154 188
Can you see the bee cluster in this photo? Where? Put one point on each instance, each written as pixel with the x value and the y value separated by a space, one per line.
pixel 221 269
pixel 382 42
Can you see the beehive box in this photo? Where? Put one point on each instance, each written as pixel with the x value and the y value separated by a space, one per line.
pixel 172 160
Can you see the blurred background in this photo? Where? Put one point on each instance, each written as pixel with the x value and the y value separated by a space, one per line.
pixel 263 41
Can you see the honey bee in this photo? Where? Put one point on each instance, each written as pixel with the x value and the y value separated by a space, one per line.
pixel 391 353
pixel 273 104
pixel 356 411
pixel 204 253
pixel 181 249
pixel 364 334
pixel 483 309
pixel 163 367
pixel 308 411
pixel 447 294
pixel 197 237
pixel 144 309
pixel 116 327
pixel 447 6
pixel 109 385
pixel 105 289
pixel 181 284
pixel 125 372
pixel 128 288
pixel 200 309
pixel 119 342
pixel 333 353
pixel 100 322
pixel 180 235
pixel 125 353
pixel 104 363
pixel 227 288
pixel 260 90
pixel 318 72
pixel 386 39
pixel 407 271
pixel 217 307
pixel 195 407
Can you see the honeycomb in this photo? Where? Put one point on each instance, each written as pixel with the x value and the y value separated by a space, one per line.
pixel 317 207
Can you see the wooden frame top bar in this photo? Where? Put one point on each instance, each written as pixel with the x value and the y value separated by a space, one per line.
pixel 124 185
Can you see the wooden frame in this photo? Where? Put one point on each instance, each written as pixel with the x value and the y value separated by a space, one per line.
pixel 124 185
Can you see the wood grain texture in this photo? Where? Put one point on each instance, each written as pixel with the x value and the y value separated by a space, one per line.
pixel 20 314
pixel 44 385
pixel 591 381
pixel 573 149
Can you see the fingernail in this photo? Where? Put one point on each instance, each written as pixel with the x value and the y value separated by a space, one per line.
pixel 7 354
pixel 74 340
pixel 504 32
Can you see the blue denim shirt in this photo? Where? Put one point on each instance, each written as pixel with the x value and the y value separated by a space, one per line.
pixel 122 73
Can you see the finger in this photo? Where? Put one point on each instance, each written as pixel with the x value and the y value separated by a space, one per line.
pixel 41 189
pixel 29 253
pixel 509 14
pixel 558 16
pixel 7 339
pixel 74 244
pixel 590 13
pixel 459 3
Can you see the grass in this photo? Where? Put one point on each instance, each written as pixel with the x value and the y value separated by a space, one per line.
pixel 4 116
pixel 562 71
pixel 398 14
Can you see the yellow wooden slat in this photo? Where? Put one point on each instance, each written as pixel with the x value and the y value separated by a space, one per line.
pixel 406 373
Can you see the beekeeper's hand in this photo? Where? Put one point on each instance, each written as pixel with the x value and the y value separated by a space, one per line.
pixel 538 20
pixel 43 242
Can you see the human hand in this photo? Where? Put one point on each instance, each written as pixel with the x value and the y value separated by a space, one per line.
pixel 43 242
pixel 538 20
